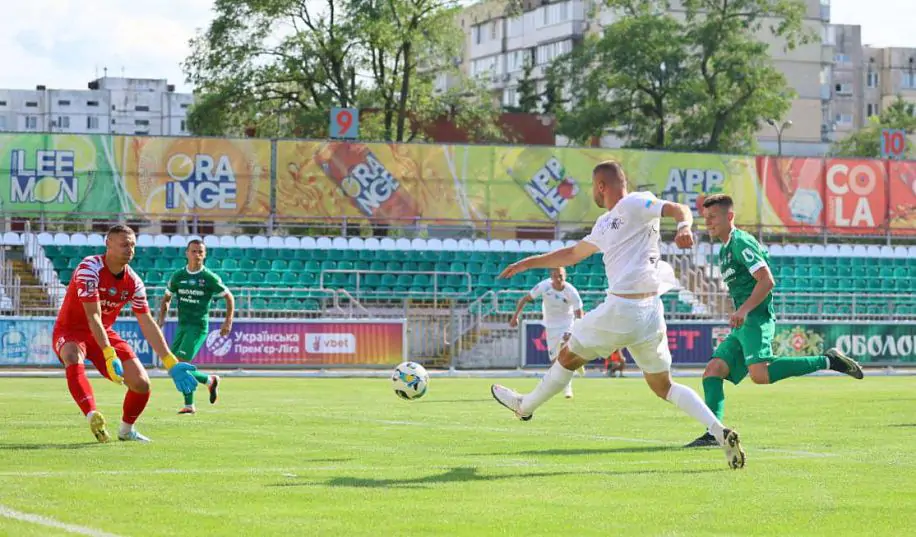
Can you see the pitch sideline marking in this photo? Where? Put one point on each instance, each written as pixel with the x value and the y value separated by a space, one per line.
pixel 51 523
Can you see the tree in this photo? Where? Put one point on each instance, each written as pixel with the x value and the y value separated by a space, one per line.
pixel 280 65
pixel 699 83
pixel 527 89
pixel 866 142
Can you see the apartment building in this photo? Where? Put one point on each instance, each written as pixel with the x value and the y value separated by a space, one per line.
pixel 109 105
pixel 497 45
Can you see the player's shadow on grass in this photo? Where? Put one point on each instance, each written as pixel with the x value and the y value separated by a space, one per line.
pixel 903 425
pixel 587 451
pixel 433 401
pixel 18 447
pixel 465 474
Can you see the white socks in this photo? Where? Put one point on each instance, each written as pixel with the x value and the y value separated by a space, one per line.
pixel 688 401
pixel 90 414
pixel 554 382
pixel 125 429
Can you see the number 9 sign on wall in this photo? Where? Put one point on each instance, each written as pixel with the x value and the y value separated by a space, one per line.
pixel 344 123
pixel 893 143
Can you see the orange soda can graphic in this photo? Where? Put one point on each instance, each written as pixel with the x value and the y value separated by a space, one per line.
pixel 363 178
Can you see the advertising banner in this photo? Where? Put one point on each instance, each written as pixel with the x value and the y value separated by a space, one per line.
pixel 694 343
pixel 902 197
pixel 26 341
pixel 398 183
pixel 201 176
pixel 304 343
pixel 57 175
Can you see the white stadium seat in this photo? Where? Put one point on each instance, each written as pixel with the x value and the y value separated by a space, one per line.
pixel 357 243
pixel 556 244
pixel 465 245
pixel 340 243
pixel 307 243
pixel 61 239
pixel 873 251
pixel 542 246
pixel 372 243
pixel 415 244
pixel 402 244
pixel 887 251
pixel 160 240
pixel 571 242
pixel 96 239
pixel 431 244
pixel 846 250
pixel 323 243
pixel 497 245
pixel 818 250
pixel 275 242
pixel 859 251
pixel 449 244
pixel 11 238
pixel 791 250
pixel 144 240
pixel 78 239
pixel 482 245
pixel 211 241
pixel 291 242
pixel 387 244
pixel 178 241
pixel 832 250
pixel 804 250
pixel 511 245
pixel 901 251
pixel 227 241
pixel 45 238
pixel 243 241
pixel 526 245
pixel 259 241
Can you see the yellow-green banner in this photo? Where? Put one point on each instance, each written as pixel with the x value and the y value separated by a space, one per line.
pixel 397 183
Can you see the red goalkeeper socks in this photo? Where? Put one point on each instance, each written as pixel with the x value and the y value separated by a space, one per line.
pixel 134 403
pixel 80 389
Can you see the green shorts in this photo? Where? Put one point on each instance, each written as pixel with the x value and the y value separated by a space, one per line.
pixel 188 341
pixel 750 344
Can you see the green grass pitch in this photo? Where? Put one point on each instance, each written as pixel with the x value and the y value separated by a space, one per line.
pixel 283 456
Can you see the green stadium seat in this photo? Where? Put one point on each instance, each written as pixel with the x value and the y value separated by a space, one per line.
pixel 276 264
pixel 272 279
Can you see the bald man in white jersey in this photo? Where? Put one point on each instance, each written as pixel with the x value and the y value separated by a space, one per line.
pixel 632 316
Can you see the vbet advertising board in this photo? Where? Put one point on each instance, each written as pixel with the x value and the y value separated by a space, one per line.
pixel 26 342
pixel 693 343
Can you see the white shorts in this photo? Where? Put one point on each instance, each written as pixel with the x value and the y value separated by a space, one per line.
pixel 555 335
pixel 637 325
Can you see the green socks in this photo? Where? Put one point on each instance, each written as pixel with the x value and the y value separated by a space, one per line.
pixel 714 393
pixel 783 368
pixel 202 378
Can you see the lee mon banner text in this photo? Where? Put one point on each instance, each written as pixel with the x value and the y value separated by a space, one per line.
pixel 63 175
pixel 693 343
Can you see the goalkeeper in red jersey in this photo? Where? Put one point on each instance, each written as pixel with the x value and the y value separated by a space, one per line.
pixel 101 286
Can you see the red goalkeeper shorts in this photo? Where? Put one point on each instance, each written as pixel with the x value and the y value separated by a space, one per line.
pixel 90 349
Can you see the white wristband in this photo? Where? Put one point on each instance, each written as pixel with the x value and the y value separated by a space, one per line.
pixel 682 225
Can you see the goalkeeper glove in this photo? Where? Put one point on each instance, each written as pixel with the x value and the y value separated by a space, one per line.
pixel 180 373
pixel 113 365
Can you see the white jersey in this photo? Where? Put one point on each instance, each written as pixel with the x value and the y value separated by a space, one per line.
pixel 558 307
pixel 628 237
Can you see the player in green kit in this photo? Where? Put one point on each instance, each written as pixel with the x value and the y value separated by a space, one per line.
pixel 195 286
pixel 747 350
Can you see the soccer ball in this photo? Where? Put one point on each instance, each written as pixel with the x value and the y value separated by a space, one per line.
pixel 410 380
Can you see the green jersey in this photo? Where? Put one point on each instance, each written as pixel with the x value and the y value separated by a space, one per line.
pixel 195 290
pixel 739 259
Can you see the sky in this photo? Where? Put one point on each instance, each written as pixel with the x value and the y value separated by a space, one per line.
pixel 66 43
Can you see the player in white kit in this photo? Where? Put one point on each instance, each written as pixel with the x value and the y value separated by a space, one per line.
pixel 632 316
pixel 560 306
